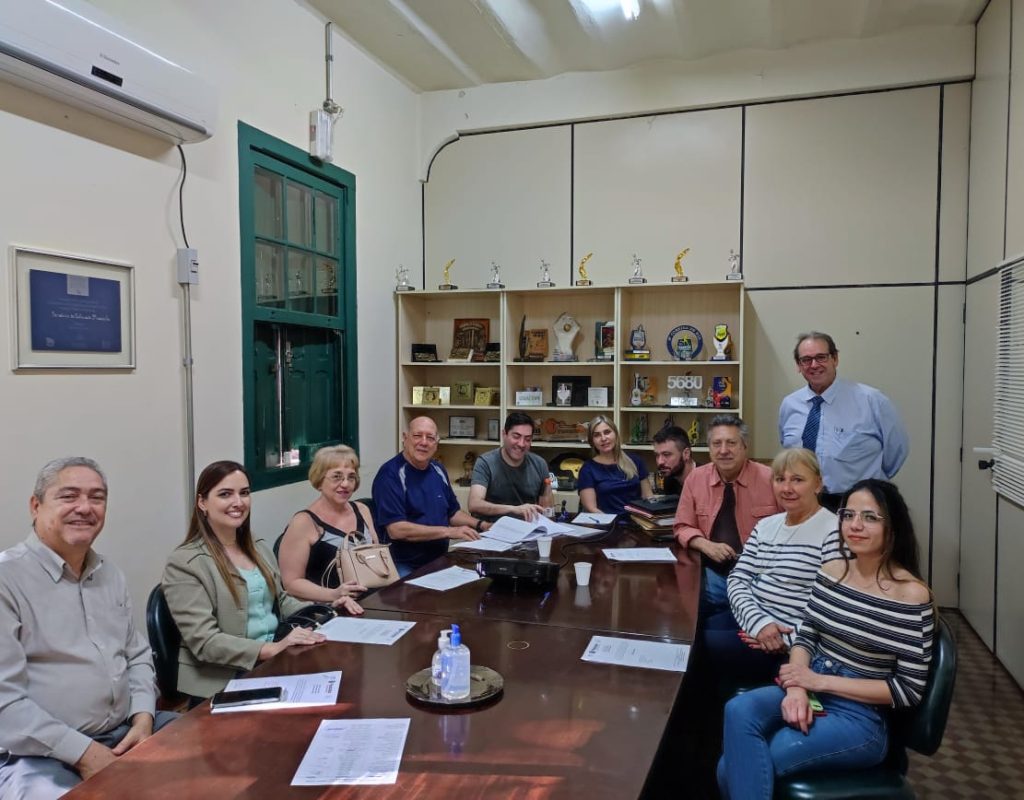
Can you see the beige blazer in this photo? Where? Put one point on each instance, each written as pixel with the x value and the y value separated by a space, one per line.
pixel 214 648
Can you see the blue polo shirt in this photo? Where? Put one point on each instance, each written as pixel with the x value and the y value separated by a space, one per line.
pixel 403 493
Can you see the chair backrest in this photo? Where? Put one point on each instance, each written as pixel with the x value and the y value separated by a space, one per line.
pixel 921 729
pixel 164 639
pixel 382 534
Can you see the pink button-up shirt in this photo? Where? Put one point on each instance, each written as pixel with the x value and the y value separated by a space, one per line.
pixel 702 498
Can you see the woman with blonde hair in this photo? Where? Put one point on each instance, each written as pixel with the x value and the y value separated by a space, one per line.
pixel 612 478
pixel 332 521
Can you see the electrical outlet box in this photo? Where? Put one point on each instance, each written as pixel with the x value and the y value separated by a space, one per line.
pixel 188 265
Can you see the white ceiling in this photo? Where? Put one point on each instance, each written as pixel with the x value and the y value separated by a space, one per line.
pixel 457 44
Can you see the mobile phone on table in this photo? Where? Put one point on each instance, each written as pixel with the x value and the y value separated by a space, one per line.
pixel 246 697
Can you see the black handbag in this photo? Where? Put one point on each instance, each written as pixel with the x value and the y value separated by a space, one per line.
pixel 312 616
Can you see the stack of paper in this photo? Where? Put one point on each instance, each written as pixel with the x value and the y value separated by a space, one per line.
pixel 297 691
pixel 640 554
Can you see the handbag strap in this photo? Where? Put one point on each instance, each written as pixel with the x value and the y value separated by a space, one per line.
pixel 379 569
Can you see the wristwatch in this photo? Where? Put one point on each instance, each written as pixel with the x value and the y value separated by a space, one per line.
pixel 479 522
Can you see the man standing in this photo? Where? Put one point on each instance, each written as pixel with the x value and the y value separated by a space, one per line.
pixel 415 503
pixel 853 429
pixel 511 479
pixel 76 677
pixel 673 457
pixel 720 505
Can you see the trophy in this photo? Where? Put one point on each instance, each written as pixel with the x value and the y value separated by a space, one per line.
pixel 638 271
pixel 684 342
pixel 735 272
pixel 565 327
pixel 563 395
pixel 679 277
pixel 638 429
pixel 637 345
pixel 722 343
pixel 584 280
pixel 402 280
pixel 448 286
pixel 636 395
pixel 545 281
pixel 495 282
pixel 694 431
pixel 687 383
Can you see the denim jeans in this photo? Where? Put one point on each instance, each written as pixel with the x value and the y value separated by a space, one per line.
pixel 758 745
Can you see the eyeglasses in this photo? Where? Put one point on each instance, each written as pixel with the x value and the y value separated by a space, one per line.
pixel 817 358
pixel 337 477
pixel 867 517
pixel 423 437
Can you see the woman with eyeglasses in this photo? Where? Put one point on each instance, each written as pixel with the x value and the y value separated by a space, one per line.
pixel 612 477
pixel 333 520
pixel 223 588
pixel 864 647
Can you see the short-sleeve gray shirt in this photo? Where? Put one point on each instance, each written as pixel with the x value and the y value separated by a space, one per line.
pixel 509 485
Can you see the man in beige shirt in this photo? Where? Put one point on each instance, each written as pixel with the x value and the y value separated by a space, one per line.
pixel 76 677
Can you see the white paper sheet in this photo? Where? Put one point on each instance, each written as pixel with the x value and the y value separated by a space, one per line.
pixel 586 518
pixel 485 545
pixel 353 752
pixel 637 653
pixel 446 579
pixel 512 530
pixel 640 554
pixel 297 691
pixel 365 631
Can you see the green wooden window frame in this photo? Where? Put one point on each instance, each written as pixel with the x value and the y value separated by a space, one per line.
pixel 299 369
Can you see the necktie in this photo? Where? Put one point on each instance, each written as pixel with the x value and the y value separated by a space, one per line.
pixel 810 436
pixel 724 529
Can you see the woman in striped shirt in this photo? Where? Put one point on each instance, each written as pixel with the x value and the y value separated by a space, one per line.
pixel 865 644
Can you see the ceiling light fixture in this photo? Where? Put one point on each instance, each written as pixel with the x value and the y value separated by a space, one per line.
pixel 631 9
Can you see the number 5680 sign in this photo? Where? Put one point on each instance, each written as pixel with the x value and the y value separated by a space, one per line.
pixel 685 382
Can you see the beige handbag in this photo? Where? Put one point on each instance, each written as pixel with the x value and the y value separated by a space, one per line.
pixel 368 564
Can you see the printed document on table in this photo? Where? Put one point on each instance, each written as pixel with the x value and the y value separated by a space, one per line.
pixel 486 545
pixel 446 579
pixel 640 554
pixel 637 653
pixel 364 631
pixel 297 691
pixel 586 518
pixel 353 752
pixel 512 530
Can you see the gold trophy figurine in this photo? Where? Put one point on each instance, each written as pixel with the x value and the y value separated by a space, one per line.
pixel 679 277
pixel 584 280
pixel 448 286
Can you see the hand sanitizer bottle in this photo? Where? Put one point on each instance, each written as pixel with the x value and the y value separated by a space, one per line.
pixel 435 662
pixel 455 668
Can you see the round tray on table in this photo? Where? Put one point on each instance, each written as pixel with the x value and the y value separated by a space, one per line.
pixel 484 684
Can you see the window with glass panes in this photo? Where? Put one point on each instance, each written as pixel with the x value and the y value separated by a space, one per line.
pixel 297 223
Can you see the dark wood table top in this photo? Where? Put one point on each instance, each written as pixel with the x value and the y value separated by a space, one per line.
pixel 564 728
pixel 655 600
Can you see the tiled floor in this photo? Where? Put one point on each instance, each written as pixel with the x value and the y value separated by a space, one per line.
pixel 982 754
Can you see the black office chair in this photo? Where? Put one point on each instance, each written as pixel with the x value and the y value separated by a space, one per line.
pixel 164 640
pixel 919 728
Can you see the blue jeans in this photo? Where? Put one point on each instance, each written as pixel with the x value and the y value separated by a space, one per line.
pixel 758 745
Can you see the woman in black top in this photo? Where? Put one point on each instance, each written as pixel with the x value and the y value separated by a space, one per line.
pixel 332 521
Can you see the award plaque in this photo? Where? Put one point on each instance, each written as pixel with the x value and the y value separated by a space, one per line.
pixel 584 279
pixel 735 273
pixel 495 282
pixel 469 339
pixel 721 391
pixel 536 344
pixel 578 386
pixel 426 395
pixel 402 280
pixel 448 286
pixel 684 342
pixel 461 427
pixel 425 353
pixel 597 397
pixel 492 354
pixel 722 343
pixel 486 396
pixel 530 396
pixel 679 277
pixel 687 384
pixel 638 345
pixel 493 429
pixel 545 281
pixel 565 329
pixel 638 271
pixel 463 392
pixel 563 394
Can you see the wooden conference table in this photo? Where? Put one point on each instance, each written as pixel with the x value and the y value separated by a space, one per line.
pixel 563 728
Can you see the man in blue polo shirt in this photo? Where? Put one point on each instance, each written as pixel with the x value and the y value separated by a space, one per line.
pixel 415 503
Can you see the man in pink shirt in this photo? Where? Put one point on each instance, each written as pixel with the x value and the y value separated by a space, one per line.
pixel 720 505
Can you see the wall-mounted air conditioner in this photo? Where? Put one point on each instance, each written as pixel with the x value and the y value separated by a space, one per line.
pixel 74 52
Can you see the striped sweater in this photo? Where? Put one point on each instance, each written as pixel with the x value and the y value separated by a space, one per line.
pixel 875 637
pixel 772 580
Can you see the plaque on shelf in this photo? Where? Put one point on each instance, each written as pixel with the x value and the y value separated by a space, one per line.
pixel 563 394
pixel 584 279
pixel 556 430
pixel 679 277
pixel 486 396
pixel 638 271
pixel 444 395
pixel 565 329
pixel 735 271
pixel 532 396
pixel 493 429
pixel 402 280
pixel 681 390
pixel 721 391
pixel 462 356
pixel 536 344
pixel 545 281
pixel 492 355
pixel 425 353
pixel 578 386
pixel 463 392
pixel 469 337
pixel 604 341
pixel 461 427
pixel 448 286
pixel 597 397
pixel 495 282
pixel 637 345
pixel 722 343
pixel 684 342
pixel 426 395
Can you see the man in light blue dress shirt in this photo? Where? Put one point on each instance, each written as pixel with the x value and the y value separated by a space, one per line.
pixel 854 429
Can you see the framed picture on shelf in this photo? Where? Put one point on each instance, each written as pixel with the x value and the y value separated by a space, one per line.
pixel 578 386
pixel 536 344
pixel 470 337
pixel 461 427
pixel 493 429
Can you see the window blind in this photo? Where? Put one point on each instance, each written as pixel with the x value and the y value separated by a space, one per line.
pixel 1008 400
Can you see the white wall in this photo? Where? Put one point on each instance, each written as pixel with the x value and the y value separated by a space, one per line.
pixel 79 184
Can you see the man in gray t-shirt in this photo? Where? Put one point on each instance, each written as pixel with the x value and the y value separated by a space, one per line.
pixel 511 479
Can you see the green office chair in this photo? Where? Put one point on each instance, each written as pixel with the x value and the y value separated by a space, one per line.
pixel 164 640
pixel 919 728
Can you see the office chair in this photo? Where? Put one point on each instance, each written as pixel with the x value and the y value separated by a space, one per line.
pixel 920 728
pixel 164 640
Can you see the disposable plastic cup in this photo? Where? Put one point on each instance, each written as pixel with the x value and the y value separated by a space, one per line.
pixel 544 546
pixel 583 573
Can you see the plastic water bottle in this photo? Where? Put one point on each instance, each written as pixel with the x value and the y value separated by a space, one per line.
pixel 455 668
pixel 435 663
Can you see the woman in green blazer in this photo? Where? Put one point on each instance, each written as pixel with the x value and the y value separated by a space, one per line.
pixel 224 589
